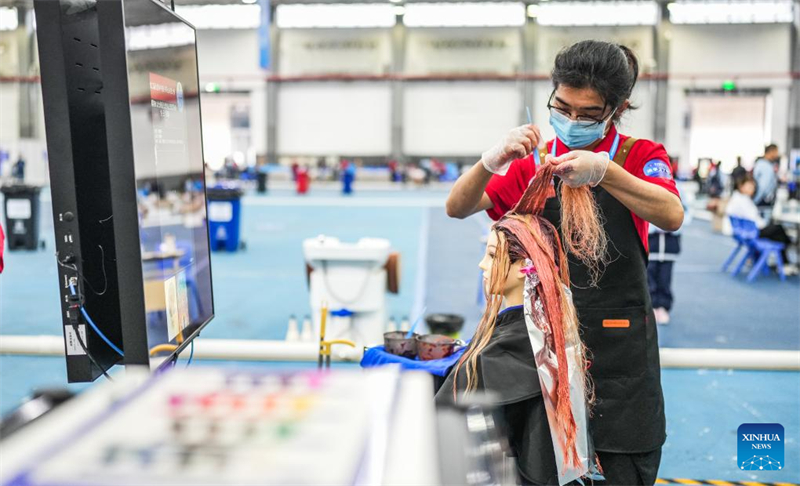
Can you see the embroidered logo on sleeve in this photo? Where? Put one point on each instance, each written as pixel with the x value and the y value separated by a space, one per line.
pixel 657 168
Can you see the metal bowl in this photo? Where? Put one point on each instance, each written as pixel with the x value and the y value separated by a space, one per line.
pixel 398 344
pixel 435 346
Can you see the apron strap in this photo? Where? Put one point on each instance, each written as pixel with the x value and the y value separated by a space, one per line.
pixel 624 150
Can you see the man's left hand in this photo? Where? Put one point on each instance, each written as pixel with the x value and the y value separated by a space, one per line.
pixel 580 167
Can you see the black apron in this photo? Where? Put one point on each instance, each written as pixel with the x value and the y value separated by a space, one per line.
pixel 619 329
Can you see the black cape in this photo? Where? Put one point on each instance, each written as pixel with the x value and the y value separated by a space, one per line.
pixel 507 368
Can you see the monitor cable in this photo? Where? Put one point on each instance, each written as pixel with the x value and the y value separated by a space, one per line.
pixel 73 320
pixel 74 268
pixel 191 352
pixel 78 304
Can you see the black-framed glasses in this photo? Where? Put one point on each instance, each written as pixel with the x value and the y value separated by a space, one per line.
pixel 568 113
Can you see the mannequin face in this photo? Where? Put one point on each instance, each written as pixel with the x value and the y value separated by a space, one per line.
pixel 515 280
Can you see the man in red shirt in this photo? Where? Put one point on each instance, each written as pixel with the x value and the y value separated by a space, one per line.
pixel 631 181
pixel 644 155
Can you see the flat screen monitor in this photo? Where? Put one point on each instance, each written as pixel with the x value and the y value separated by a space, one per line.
pixel 170 184
pixel 161 166
pixel 122 115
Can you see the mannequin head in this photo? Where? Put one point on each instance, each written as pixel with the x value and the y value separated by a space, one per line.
pixel 504 247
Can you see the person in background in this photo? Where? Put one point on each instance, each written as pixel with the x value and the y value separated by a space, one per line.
pixel 715 188
pixel 322 169
pixel 393 173
pixel 2 246
pixel 737 173
pixel 18 170
pixel 665 246
pixel 741 205
pixel 714 181
pixel 348 177
pixel 766 178
pixel 303 179
pixel 262 176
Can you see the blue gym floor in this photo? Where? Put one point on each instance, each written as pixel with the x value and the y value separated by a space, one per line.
pixel 257 290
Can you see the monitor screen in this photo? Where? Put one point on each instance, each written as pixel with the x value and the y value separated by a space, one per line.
pixel 168 162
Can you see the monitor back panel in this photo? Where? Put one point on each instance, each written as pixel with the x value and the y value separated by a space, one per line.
pixel 72 86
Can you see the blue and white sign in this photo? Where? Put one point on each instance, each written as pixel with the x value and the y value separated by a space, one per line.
pixel 760 447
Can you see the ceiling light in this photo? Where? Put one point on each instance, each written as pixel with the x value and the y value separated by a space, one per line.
pixel 731 12
pixel 231 16
pixel 596 13
pixel 8 18
pixel 468 14
pixel 341 15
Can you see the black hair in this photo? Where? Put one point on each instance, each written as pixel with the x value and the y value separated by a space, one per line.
pixel 742 179
pixel 609 69
pixel 770 147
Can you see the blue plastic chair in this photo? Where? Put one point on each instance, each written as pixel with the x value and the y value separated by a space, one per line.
pixel 745 232
pixel 740 242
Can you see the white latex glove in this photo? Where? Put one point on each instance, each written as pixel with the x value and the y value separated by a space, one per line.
pixel 517 144
pixel 580 167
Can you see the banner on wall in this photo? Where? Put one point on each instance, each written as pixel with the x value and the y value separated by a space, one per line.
pixel 335 51
pixel 464 51
pixel 263 35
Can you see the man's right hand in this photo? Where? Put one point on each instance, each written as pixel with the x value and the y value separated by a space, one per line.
pixel 517 144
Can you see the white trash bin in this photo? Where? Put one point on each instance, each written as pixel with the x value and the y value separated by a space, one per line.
pixel 351 277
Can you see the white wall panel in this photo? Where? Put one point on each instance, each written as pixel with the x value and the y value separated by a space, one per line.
pixel 227 53
pixel 334 118
pixel 335 51
pixel 463 50
pixel 462 119
pixel 729 49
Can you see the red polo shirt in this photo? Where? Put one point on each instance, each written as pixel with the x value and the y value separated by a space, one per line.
pixel 647 160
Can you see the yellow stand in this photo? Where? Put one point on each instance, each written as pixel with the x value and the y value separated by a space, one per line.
pixel 325 346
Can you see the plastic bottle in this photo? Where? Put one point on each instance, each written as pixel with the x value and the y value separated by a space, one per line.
pixel 292 333
pixel 404 324
pixel 391 326
pixel 307 333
